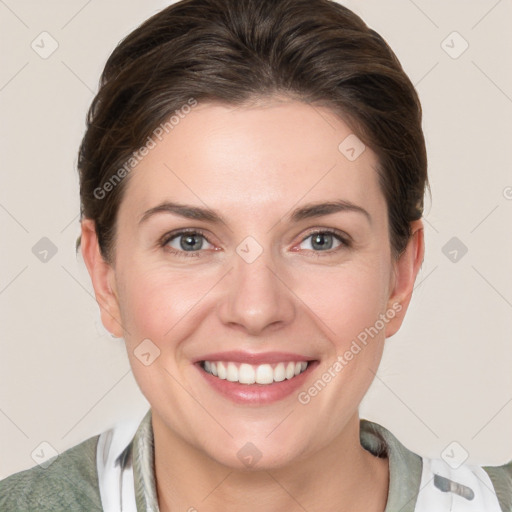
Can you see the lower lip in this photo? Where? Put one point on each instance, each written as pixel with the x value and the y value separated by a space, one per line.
pixel 257 394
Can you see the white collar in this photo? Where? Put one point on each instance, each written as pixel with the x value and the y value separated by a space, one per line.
pixel 442 488
pixel 464 489
pixel 115 467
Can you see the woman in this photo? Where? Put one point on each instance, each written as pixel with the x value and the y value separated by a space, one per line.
pixel 252 181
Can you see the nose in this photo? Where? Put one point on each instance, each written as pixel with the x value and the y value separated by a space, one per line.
pixel 257 298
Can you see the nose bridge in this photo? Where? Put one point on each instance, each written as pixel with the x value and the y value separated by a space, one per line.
pixel 256 294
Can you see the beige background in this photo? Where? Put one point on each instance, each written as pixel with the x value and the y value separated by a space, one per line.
pixel 445 376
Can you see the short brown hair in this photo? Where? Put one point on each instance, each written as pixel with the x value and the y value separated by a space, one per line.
pixel 235 51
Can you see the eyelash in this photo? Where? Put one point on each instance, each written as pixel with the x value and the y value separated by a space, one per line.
pixel 168 237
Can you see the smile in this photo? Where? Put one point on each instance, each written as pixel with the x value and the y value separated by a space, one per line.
pixel 244 373
pixel 255 384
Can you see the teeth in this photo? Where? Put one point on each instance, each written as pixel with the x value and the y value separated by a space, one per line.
pixel 290 370
pixel 250 374
pixel 280 372
pixel 232 373
pixel 264 374
pixel 247 375
pixel 221 370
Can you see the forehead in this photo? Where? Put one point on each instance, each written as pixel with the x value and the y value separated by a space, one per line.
pixel 254 158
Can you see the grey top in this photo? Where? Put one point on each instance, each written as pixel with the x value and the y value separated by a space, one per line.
pixel 71 483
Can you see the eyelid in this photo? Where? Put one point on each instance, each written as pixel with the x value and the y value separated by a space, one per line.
pixel 333 231
pixel 345 240
pixel 171 235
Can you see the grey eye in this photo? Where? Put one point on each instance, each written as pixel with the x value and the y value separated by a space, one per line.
pixel 322 240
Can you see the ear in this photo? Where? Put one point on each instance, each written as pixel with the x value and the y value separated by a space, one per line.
pixel 403 277
pixel 102 277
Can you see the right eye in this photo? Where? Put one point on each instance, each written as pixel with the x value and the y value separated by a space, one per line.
pixel 185 241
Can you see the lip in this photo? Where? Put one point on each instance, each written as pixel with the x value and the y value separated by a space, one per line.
pixel 239 356
pixel 256 394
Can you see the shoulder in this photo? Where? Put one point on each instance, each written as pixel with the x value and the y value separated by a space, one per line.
pixel 70 482
pixel 501 478
pixel 423 484
pixel 445 481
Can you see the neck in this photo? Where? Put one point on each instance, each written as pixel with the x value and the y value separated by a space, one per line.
pixel 341 477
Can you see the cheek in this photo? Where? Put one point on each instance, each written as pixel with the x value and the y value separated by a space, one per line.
pixel 347 300
pixel 162 304
pixel 158 302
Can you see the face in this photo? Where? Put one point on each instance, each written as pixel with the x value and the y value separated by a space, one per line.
pixel 259 271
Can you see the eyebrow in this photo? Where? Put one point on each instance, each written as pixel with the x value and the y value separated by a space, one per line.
pixel 307 211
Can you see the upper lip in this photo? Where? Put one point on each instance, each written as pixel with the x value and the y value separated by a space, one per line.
pixel 238 356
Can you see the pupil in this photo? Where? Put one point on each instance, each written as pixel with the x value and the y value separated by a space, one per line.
pixel 189 239
pixel 320 240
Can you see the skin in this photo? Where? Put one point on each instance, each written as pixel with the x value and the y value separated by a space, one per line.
pixel 254 165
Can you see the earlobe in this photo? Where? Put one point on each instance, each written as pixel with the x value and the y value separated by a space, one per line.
pixel 404 277
pixel 103 279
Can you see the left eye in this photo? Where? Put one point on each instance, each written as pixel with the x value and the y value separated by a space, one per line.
pixel 323 240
